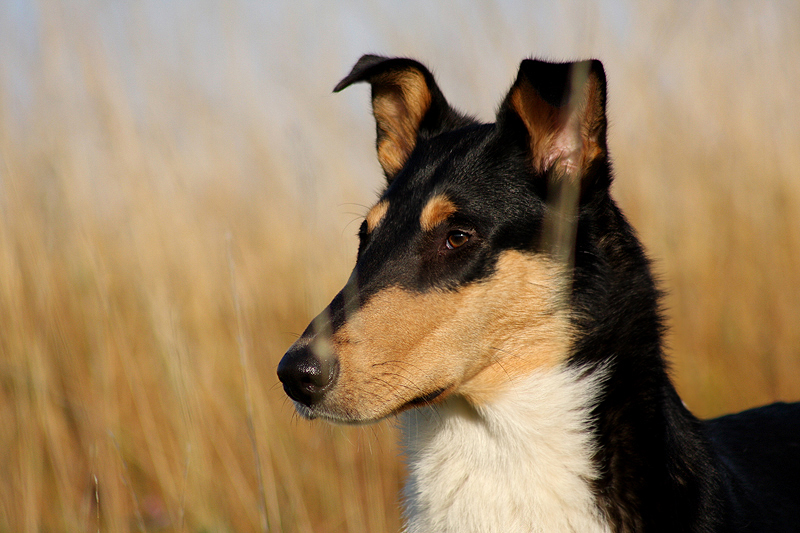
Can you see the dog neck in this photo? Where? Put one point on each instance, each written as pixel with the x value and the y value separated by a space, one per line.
pixel 522 463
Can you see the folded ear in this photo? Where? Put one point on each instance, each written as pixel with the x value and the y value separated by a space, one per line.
pixel 406 103
pixel 562 108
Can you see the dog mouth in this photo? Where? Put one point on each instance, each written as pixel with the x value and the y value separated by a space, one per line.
pixel 311 413
pixel 425 399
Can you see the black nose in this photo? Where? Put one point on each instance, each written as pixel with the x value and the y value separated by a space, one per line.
pixel 305 376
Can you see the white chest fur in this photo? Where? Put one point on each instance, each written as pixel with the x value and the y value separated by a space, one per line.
pixel 522 463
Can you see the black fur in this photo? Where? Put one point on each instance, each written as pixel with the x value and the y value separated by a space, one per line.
pixel 661 468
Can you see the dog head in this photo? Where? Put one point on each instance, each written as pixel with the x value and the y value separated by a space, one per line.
pixel 463 275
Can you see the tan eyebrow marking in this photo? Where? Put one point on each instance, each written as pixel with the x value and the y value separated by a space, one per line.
pixel 436 211
pixel 376 214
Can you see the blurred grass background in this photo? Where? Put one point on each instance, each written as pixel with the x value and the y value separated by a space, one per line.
pixel 179 193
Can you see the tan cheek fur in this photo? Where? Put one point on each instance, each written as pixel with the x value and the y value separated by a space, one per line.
pixel 473 341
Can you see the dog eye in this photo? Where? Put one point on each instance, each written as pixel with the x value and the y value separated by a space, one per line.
pixel 456 239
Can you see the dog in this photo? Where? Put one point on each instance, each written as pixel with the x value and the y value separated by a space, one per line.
pixel 503 307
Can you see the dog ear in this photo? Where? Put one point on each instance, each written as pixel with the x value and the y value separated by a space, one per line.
pixel 562 108
pixel 406 103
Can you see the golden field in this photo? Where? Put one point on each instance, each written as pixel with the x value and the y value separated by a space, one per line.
pixel 179 195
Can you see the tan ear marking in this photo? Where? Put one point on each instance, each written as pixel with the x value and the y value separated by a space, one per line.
pixel 541 120
pixel 436 211
pixel 399 104
pixel 566 136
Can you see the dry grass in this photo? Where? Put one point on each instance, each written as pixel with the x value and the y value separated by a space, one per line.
pixel 163 240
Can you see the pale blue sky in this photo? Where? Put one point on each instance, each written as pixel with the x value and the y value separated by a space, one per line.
pixel 276 62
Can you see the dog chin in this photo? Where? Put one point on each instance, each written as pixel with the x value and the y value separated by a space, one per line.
pixel 304 411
